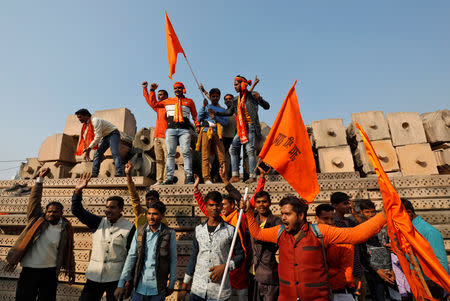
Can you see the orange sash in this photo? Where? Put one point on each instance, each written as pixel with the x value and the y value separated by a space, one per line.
pixel 241 126
pixel 85 141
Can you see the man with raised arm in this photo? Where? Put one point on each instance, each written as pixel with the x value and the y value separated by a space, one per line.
pixel 111 239
pixel 302 266
pixel 44 248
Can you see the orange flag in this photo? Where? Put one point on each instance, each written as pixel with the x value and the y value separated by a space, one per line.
pixel 288 149
pixel 173 46
pixel 405 240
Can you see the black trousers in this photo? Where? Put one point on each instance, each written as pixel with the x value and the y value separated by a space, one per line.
pixel 37 283
pixel 93 291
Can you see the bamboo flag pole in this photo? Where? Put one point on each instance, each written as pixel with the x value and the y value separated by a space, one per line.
pixel 416 266
pixel 193 74
pixel 236 230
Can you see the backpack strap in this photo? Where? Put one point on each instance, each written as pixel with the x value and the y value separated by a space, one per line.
pixel 319 235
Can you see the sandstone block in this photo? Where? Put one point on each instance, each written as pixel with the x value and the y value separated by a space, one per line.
pixel 442 157
pixel 144 139
pixel 143 164
pixel 125 145
pixel 335 159
pixel 373 123
pixel 80 168
pixel 107 169
pixel 122 118
pixel 329 133
pixel 73 126
pixel 385 152
pixel 416 159
pixel 58 169
pixel 406 128
pixel 437 126
pixel 58 147
pixel 30 169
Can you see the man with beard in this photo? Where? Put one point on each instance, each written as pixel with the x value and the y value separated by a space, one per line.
pixel 110 243
pixel 302 267
pixel 210 248
pixel 44 248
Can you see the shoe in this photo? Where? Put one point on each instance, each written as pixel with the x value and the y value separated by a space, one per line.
pixel 234 179
pixel 167 182
pixel 250 181
pixel 208 182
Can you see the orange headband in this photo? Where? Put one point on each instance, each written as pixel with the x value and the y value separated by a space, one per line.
pixel 243 81
pixel 179 84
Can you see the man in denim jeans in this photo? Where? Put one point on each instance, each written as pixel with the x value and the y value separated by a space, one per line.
pixel 247 126
pixel 178 109
pixel 99 133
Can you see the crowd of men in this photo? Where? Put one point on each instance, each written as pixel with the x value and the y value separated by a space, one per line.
pixel 338 257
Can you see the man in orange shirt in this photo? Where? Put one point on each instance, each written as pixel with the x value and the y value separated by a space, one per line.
pixel 339 259
pixel 160 131
pixel 178 110
pixel 302 269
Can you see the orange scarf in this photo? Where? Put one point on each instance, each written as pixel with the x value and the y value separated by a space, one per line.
pixel 232 219
pixel 178 116
pixel 241 126
pixel 85 141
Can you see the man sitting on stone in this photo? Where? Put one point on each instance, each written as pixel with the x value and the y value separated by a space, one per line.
pixel 111 239
pixel 44 248
pixel 98 134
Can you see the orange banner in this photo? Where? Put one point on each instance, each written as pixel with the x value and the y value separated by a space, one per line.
pixel 405 239
pixel 288 149
pixel 173 46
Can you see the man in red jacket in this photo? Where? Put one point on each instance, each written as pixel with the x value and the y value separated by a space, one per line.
pixel 160 130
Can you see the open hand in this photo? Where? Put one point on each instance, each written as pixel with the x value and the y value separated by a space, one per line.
pixel 44 172
pixel 82 182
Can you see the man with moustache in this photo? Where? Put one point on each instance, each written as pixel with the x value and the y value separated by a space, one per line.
pixel 302 267
pixel 44 248
pixel 110 243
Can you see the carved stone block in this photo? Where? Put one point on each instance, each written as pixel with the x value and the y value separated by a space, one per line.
pixel 122 118
pixel 373 123
pixel 125 145
pixel 416 159
pixel 336 159
pixel 144 139
pixel 58 147
pixel 58 170
pixel 385 152
pixel 329 133
pixel 107 169
pixel 406 128
pixel 73 126
pixel 442 157
pixel 80 168
pixel 30 169
pixel 437 126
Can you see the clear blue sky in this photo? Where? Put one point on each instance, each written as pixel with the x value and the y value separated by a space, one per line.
pixel 349 56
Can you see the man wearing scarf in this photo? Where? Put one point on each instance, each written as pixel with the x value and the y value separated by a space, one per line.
pixel 178 109
pixel 245 105
pixel 98 134
pixel 44 248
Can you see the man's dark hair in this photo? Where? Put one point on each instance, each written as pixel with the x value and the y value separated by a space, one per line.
pixel 152 193
pixel 57 204
pixel 158 205
pixel 83 112
pixel 261 194
pixel 232 96
pixel 339 197
pixel 214 91
pixel 118 199
pixel 408 205
pixel 214 196
pixel 323 207
pixel 229 198
pixel 164 91
pixel 299 205
pixel 365 204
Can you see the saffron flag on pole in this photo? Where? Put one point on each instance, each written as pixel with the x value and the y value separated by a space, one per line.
pixel 173 46
pixel 288 149
pixel 405 239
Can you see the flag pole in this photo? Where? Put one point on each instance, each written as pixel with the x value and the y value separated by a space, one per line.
pixel 418 271
pixel 193 74
pixel 236 230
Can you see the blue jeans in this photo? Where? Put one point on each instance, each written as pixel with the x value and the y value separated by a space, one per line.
pixel 173 138
pixel 138 297
pixel 111 141
pixel 249 149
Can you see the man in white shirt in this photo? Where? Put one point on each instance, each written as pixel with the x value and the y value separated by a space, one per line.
pixel 101 134
pixel 44 248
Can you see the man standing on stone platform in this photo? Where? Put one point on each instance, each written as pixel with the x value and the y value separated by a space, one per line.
pixel 44 248
pixel 160 130
pixel 178 110
pixel 111 239
pixel 98 134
